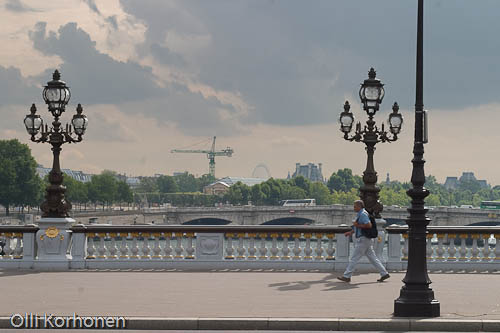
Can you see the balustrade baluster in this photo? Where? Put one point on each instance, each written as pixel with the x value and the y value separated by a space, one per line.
pixel 486 248
pixel 463 248
pixel 330 251
pixel 229 246
pixel 263 248
pixel 178 248
pixel 285 250
pixel 18 251
pixel 475 250
pixel 252 250
pixel 190 247
pixel 451 248
pixel 134 249
pixel 274 248
pixel 241 247
pixel 123 247
pixel 7 247
pixel 145 246
pixel 156 246
pixel 90 245
pixel 440 250
pixel 319 246
pixel 296 248
pixel 308 250
pixel 429 250
pixel 101 249
pixel 497 246
pixel 112 248
pixel 168 248
pixel 405 247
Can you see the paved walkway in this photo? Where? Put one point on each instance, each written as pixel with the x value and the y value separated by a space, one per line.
pixel 235 294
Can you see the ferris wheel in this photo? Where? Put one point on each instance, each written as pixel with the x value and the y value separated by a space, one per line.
pixel 261 171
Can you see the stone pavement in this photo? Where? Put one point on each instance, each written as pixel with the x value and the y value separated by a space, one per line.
pixel 290 299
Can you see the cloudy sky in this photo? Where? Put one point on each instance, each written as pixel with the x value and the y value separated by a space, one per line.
pixel 267 77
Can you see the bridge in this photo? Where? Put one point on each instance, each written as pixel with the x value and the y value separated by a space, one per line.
pixel 257 215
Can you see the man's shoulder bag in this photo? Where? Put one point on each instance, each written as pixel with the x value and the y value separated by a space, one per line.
pixel 372 232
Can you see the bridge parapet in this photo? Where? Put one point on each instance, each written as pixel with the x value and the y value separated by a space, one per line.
pixel 246 247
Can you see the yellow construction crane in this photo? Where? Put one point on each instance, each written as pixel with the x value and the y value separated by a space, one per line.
pixel 210 154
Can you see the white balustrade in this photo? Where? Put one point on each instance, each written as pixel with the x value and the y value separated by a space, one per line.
pixel 292 248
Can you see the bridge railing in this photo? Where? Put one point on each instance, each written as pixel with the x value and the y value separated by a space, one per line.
pixel 210 247
pixel 238 247
pixel 449 248
pixel 17 248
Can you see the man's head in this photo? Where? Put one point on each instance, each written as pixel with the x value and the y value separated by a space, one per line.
pixel 358 205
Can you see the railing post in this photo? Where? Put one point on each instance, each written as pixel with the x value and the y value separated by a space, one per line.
pixel 342 258
pixel 394 250
pixel 28 249
pixel 78 248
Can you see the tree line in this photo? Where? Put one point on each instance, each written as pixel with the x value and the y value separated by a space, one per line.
pixel 20 186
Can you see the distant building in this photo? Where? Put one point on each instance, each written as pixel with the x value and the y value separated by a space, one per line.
pixel 452 183
pixel 310 171
pixel 222 185
pixel 217 188
pixel 77 175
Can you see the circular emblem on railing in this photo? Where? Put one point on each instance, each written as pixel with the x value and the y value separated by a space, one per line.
pixel 52 232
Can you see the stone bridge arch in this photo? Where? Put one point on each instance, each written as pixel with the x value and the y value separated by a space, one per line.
pixel 293 220
pixel 207 221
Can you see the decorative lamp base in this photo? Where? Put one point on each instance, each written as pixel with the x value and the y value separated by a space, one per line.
pixel 416 303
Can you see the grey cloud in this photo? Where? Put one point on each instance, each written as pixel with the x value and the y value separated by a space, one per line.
pixel 283 56
pixel 92 6
pixel 15 89
pixel 112 21
pixel 166 56
pixel 95 78
pixel 18 6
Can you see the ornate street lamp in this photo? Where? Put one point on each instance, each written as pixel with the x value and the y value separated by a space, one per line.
pixel 416 299
pixel 56 95
pixel 371 94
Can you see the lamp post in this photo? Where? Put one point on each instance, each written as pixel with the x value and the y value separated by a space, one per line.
pixel 416 299
pixel 371 94
pixel 56 95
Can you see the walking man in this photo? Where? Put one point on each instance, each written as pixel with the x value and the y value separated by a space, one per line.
pixel 363 245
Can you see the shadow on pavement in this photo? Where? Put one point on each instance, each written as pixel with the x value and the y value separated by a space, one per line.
pixel 330 282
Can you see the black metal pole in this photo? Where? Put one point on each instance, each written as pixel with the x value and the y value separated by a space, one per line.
pixel 55 204
pixel 369 192
pixel 416 298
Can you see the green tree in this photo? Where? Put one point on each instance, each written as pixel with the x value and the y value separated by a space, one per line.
pixel 343 180
pixel 321 193
pixel 345 198
pixel 204 181
pixel 167 184
pixel 147 185
pixel 76 191
pixel 19 183
pixel 103 188
pixel 187 182
pixel 124 193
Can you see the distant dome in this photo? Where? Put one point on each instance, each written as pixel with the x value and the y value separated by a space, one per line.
pixel 261 171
